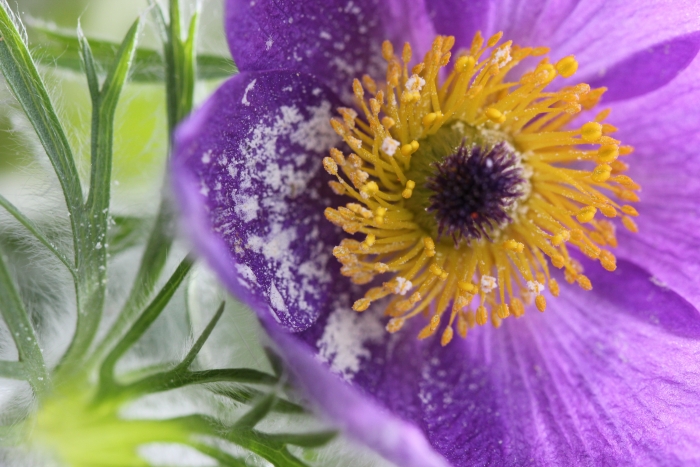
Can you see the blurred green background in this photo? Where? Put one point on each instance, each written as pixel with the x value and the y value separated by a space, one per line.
pixel 140 126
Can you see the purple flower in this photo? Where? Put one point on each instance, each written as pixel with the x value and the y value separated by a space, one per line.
pixel 604 377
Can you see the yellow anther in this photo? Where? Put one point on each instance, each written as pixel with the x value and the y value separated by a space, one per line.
pixel 337 156
pixel 546 73
pixel 370 189
pixel 406 149
pixel 553 287
pixel 387 50
pixel 539 51
pixel 464 63
pixel 330 166
pixel 608 260
pixel 380 212
pixel 512 245
pixel 591 131
pixel 388 122
pixel 541 303
pixel 608 211
pixel 623 180
pixel 429 246
pixel 557 261
pixel 518 308
pixel 586 214
pixel 608 153
pixel 415 145
pixel 467 287
pixel 495 321
pixel 407 193
pixel 369 242
pixel 601 173
pixel 361 304
pixel 561 237
pixel 493 40
pixel 495 115
pixel 435 269
pixel 425 333
pixel 625 150
pixel 357 89
pixel 462 326
pixel 428 119
pixel 503 311
pixel 395 324
pixel 567 66
pixel 337 187
pixel 444 275
pixel 481 316
pixel 584 282
pixel 380 267
pixel 447 335
pixel 410 96
pixel 407 53
pixel 629 210
pixel 630 224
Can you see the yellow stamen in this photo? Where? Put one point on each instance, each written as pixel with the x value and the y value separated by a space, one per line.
pixel 475 281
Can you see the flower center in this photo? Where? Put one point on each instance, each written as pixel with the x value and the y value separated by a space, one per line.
pixel 483 160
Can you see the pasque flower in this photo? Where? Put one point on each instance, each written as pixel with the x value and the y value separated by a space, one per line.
pixel 478 177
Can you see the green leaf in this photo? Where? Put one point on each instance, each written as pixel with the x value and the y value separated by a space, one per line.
pixel 304 440
pixel 179 378
pixel 22 331
pixel 150 268
pixel 257 412
pixel 62 49
pixel 189 358
pixel 23 78
pixel 32 228
pixel 92 253
pixel 247 395
pixel 144 321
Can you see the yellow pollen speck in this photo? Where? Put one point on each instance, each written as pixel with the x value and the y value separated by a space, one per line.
pixel 567 66
pixel 413 120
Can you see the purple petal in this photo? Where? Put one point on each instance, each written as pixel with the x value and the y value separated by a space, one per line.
pixel 647 70
pixel 608 377
pixel 334 40
pixel 358 415
pixel 664 128
pixel 630 47
pixel 247 172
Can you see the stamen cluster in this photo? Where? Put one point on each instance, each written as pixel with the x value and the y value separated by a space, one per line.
pixel 496 275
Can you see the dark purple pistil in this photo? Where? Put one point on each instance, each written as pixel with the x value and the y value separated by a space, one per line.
pixel 473 189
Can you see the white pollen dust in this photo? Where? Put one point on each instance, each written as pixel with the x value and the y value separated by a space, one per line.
pixel 390 145
pixel 488 283
pixel 535 287
pixel 403 285
pixel 415 83
pixel 248 88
